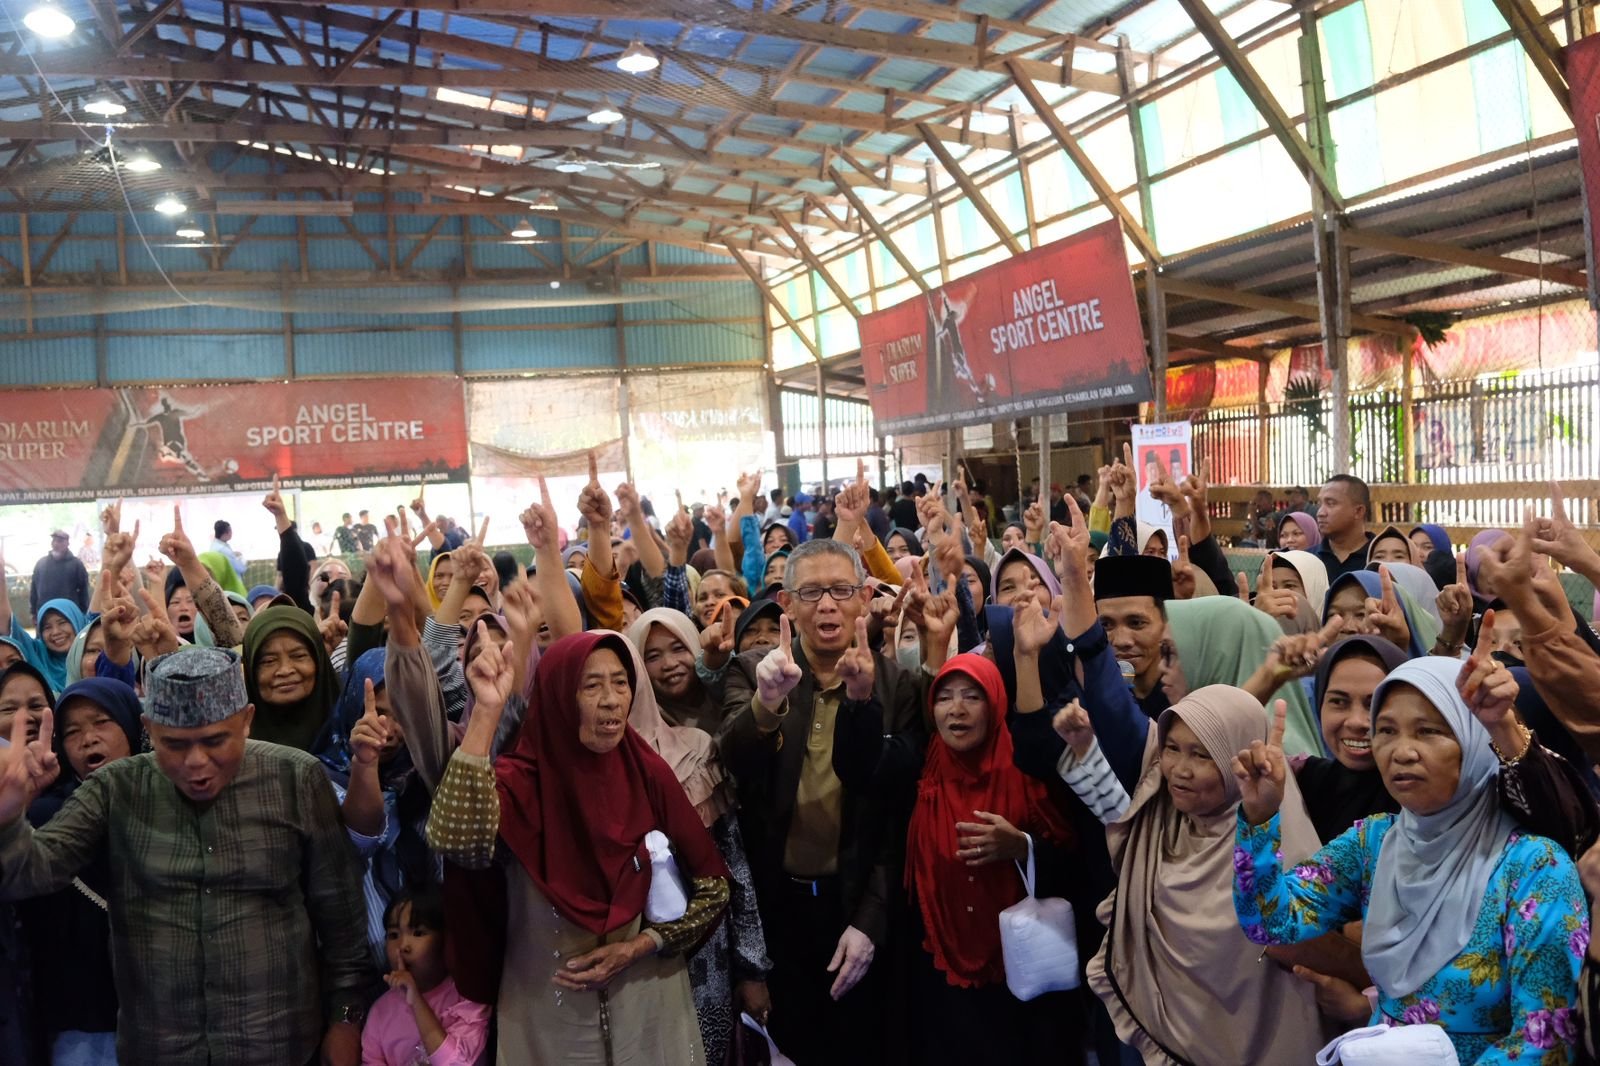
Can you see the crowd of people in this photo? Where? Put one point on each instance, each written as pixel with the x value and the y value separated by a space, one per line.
pixel 790 770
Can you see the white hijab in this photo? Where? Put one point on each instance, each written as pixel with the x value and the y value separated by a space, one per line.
pixel 1433 869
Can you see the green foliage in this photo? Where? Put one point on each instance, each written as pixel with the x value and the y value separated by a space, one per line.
pixel 1303 396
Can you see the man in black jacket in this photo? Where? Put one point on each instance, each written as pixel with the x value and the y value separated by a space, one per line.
pixel 825 739
pixel 59 575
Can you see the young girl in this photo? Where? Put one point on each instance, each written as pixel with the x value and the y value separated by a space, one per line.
pixel 422 1019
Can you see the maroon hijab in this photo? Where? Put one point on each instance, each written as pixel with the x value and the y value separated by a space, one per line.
pixel 575 820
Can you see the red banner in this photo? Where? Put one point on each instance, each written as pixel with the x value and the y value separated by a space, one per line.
pixel 1049 330
pixel 79 444
pixel 1583 79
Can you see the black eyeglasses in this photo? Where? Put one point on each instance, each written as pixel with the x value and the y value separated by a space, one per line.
pixel 813 593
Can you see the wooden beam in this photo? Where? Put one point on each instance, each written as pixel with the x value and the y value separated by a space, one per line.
pixel 776 304
pixel 1540 45
pixel 1278 305
pixel 1238 64
pixel 914 274
pixel 366 45
pixel 1449 253
pixel 144 27
pixel 1091 173
pixel 816 266
pixel 974 195
pixel 1214 347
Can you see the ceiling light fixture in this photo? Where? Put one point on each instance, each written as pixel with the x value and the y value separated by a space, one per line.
pixel 605 116
pixel 545 202
pixel 49 21
pixel 170 205
pixel 637 59
pixel 555 284
pixel 524 230
pixel 571 163
pixel 190 232
pixel 141 163
pixel 105 107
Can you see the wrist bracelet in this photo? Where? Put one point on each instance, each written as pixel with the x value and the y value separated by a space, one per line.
pixel 1527 743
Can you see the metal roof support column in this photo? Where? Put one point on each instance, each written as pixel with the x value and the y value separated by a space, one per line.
pixel 1263 434
pixel 970 188
pixel 1155 305
pixel 1331 253
pixel 1141 165
pixel 822 426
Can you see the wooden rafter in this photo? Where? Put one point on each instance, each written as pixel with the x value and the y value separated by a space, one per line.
pixel 1080 158
pixel 970 188
pixel 1272 113
pixel 1541 45
pixel 882 234
pixel 1450 253
pixel 775 303
pixel 1256 301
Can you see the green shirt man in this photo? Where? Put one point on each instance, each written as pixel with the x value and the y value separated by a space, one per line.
pixel 237 918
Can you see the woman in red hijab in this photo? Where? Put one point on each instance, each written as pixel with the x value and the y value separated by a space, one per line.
pixel 547 872
pixel 974 816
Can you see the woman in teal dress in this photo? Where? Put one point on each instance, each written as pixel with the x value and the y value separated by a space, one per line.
pixel 1470 924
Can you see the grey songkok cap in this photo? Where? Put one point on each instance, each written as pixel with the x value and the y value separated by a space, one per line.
pixel 194 687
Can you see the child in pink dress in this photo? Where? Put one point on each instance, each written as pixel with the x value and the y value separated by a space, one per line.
pixel 422 1020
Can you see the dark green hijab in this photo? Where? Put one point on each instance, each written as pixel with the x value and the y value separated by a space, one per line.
pixel 295 725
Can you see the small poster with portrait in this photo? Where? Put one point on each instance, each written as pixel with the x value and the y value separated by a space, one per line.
pixel 1163 446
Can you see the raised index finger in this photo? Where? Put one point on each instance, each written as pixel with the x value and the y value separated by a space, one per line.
pixel 1558 502
pixel 370 697
pixel 1074 512
pixel 1485 635
pixel 784 635
pixel 1461 570
pixel 594 468
pixel 483 532
pixel 1330 630
pixel 1389 598
pixel 544 491
pixel 1280 723
pixel 861 470
pixel 177 518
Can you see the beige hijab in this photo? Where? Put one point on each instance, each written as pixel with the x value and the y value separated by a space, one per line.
pixel 689 751
pixel 1181 982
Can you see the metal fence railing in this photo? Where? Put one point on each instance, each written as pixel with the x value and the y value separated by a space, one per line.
pixel 1525 427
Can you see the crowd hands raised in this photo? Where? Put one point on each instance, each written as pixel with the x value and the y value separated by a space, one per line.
pixel 677 785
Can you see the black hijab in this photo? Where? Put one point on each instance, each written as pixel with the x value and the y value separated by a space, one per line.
pixel 1335 795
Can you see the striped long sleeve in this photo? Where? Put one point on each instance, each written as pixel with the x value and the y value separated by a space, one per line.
pixel 1093 781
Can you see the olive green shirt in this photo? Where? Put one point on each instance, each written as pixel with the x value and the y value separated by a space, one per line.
pixel 238 927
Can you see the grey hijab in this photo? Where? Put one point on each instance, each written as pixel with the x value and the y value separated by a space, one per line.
pixel 1433 869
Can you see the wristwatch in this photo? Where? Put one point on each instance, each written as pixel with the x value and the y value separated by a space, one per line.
pixel 350 1013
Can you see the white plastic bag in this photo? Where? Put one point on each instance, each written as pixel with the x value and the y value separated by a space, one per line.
pixel 668 901
pixel 1039 942
pixel 1382 1045
pixel 774 1056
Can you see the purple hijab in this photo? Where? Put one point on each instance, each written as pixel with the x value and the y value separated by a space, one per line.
pixel 1307 524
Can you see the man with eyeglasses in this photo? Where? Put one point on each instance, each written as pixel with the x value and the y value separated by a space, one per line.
pixel 825 738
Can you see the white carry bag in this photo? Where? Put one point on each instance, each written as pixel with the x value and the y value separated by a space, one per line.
pixel 1399 1045
pixel 667 901
pixel 1039 942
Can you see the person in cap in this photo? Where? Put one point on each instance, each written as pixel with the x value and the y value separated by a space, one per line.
pixel 252 951
pixel 1131 594
pixel 59 575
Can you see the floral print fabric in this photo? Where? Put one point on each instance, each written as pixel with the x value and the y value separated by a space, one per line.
pixel 1508 997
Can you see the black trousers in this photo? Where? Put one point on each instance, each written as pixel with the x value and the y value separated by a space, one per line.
pixel 803 926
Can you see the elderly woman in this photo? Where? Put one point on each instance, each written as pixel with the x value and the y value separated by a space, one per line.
pixel 976 814
pixel 547 871
pixel 289 678
pixel 1171 917
pixel 1469 923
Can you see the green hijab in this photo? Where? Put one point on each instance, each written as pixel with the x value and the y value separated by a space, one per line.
pixel 221 569
pixel 1221 640
pixel 296 725
pixel 76 653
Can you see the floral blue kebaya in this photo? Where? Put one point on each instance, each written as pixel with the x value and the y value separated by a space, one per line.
pixel 1508 997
